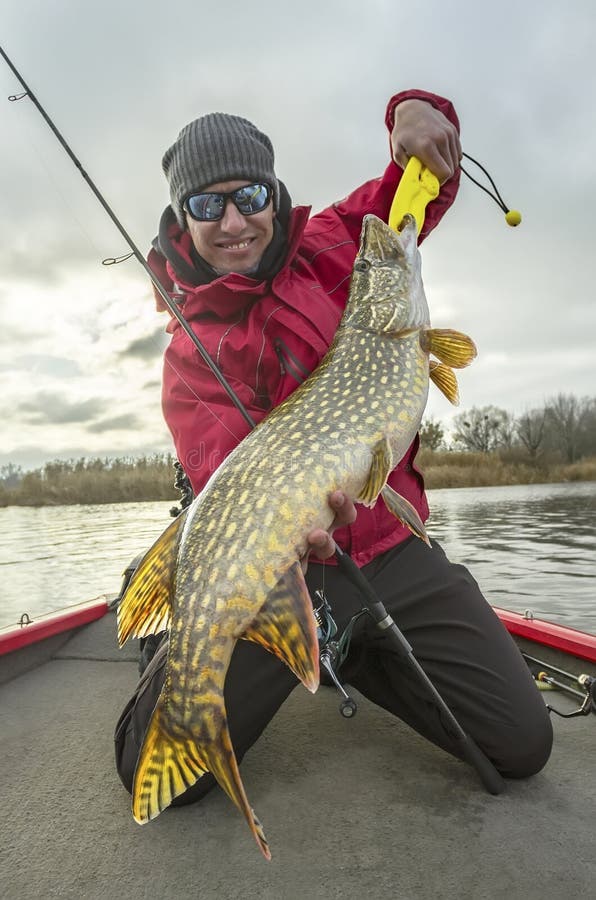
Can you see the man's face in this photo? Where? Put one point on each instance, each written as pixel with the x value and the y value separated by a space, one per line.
pixel 234 243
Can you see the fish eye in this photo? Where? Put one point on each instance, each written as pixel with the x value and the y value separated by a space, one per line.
pixel 361 265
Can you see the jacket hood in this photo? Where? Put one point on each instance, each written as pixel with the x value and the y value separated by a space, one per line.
pixel 221 296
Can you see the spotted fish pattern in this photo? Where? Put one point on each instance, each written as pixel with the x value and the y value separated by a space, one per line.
pixel 229 567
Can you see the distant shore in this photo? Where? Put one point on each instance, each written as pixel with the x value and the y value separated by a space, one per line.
pixel 90 481
pixel 459 469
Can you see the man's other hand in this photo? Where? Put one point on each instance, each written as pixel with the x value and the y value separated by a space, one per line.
pixel 421 130
pixel 321 542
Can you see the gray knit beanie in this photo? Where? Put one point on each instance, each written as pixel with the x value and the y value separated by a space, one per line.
pixel 217 147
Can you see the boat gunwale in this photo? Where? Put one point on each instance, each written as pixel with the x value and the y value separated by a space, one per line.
pixel 564 638
pixel 568 640
pixel 67 619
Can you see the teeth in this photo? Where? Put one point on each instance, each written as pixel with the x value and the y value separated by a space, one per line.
pixel 237 246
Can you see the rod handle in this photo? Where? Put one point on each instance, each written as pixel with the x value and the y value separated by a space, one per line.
pixel 492 780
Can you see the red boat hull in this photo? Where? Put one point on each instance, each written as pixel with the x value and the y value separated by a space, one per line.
pixel 67 619
pixel 549 634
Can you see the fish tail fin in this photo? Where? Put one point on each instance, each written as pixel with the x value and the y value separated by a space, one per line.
pixel 168 765
pixel 224 767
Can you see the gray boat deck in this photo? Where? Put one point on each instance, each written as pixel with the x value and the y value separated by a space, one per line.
pixel 352 808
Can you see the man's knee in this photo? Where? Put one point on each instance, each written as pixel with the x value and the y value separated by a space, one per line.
pixel 525 750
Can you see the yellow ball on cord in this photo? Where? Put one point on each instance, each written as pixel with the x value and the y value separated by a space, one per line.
pixel 513 217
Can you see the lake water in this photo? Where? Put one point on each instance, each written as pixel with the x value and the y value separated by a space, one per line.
pixel 529 547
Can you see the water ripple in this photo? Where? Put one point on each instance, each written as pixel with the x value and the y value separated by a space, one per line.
pixel 53 557
pixel 529 547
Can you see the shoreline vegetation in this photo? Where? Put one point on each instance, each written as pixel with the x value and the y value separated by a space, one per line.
pixel 129 480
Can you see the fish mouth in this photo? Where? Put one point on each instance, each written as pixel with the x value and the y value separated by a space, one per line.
pixel 377 239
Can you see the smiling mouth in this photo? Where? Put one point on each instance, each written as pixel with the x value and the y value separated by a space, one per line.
pixel 240 245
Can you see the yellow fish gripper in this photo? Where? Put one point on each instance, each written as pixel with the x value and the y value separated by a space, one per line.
pixel 418 186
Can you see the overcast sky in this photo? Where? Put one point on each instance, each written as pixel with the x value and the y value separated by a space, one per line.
pixel 81 343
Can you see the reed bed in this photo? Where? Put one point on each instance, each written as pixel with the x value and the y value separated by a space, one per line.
pixel 152 478
pixel 453 469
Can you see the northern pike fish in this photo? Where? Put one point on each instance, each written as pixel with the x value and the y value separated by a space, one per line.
pixel 229 567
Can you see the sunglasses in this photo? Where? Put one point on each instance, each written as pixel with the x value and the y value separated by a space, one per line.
pixel 210 206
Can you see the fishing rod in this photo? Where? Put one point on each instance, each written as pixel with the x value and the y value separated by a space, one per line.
pixel 171 306
pixel 471 752
pixel 373 604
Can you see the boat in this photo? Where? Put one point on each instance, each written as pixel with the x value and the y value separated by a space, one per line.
pixel 346 816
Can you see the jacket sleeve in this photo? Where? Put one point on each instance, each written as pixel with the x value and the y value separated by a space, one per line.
pixel 437 208
pixel 440 103
pixel 376 196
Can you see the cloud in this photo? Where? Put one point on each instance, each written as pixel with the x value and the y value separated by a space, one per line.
pixel 52 409
pixel 147 348
pixel 521 82
pixel 33 456
pixel 45 267
pixel 117 423
pixel 43 364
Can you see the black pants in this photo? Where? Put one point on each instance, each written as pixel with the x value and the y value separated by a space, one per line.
pixel 455 635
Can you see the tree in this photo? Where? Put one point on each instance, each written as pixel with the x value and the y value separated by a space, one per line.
pixel 587 444
pixel 10 475
pixel 431 434
pixel 567 416
pixel 483 428
pixel 530 429
pixel 506 429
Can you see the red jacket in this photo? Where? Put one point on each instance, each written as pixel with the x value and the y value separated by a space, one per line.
pixel 266 337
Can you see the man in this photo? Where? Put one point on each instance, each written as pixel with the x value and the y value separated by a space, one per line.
pixel 264 286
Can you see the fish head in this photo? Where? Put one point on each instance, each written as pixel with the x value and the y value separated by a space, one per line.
pixel 386 291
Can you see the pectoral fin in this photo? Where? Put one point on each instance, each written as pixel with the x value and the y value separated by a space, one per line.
pixel 445 380
pixel 285 626
pixel 403 510
pixel 382 463
pixel 147 605
pixel 452 347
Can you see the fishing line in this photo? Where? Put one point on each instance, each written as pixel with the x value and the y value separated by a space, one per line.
pixel 31 147
pixel 171 306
